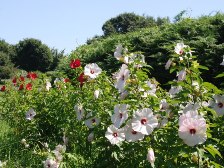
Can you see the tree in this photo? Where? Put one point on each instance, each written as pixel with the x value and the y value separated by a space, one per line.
pixel 6 53
pixel 126 22
pixel 32 55
pixel 57 55
pixel 6 66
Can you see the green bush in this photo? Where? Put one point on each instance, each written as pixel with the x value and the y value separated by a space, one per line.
pixel 205 34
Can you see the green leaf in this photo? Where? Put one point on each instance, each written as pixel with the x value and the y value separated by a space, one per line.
pixel 114 154
pixel 203 67
pixel 213 151
pixel 220 75
pixel 210 86
pixel 216 164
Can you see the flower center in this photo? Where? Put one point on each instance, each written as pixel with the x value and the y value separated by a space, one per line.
pixel 93 120
pixel 92 71
pixel 181 52
pixel 143 121
pixel 133 132
pixel 192 131
pixel 115 134
pixel 220 105
pixel 122 77
pixel 121 115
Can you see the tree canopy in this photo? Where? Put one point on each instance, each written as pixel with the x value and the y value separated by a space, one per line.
pixel 128 22
pixel 6 53
pixel 33 55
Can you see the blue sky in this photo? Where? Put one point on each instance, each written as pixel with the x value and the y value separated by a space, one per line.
pixel 66 24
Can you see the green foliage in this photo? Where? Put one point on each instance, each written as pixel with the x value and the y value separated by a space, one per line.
pixel 32 55
pixel 57 56
pixel 205 34
pixel 57 118
pixel 6 66
pixel 128 22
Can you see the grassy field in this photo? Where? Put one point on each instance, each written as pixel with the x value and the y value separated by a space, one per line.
pixel 10 152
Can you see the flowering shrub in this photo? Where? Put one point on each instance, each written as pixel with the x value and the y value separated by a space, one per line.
pixel 126 120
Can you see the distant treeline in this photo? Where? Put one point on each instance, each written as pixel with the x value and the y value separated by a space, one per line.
pixel 29 54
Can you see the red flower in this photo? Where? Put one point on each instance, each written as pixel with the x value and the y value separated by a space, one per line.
pixel 28 86
pixel 81 79
pixel 75 63
pixel 21 87
pixel 66 80
pixel 21 78
pixel 31 75
pixel 3 88
pixel 14 80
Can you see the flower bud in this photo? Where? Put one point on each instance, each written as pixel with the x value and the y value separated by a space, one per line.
pixel 23 141
pixel 90 137
pixel 96 94
pixel 151 157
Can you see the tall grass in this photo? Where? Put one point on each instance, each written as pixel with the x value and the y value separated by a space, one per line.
pixel 11 153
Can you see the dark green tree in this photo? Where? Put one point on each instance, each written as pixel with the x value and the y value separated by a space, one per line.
pixel 57 55
pixel 6 66
pixel 126 22
pixel 6 53
pixel 32 55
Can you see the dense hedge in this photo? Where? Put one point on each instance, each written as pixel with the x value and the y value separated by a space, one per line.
pixel 205 34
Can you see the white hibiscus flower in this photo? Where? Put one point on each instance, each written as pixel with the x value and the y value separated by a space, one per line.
pixel 120 114
pixel 92 121
pixel 123 95
pixel 181 75
pixel 189 111
pixel 164 106
pixel 119 54
pixel 50 163
pixel 131 135
pixel 92 70
pixel 48 85
pixel 218 104
pixel 151 89
pixel 174 90
pixel 115 135
pixel 30 114
pixel 144 121
pixel 179 48
pixel 121 78
pixel 168 63
pixel 193 130
pixel 118 51
pixel 79 112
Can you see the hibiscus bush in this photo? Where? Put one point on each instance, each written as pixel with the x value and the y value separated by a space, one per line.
pixel 124 120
